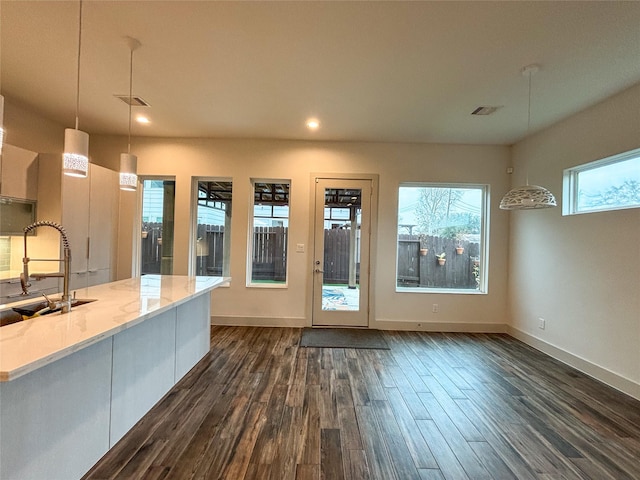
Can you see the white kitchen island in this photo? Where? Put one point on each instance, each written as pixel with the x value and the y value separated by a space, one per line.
pixel 71 385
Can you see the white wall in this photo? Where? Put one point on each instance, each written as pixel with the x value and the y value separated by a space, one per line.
pixel 242 160
pixel 580 273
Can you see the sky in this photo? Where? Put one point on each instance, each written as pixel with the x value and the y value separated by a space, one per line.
pixel 409 197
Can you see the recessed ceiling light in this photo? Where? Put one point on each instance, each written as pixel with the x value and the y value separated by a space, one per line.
pixel 142 119
pixel 313 124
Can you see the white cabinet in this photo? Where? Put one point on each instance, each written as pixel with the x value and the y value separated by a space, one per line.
pixel 75 220
pixel 144 359
pixel 55 420
pixel 90 217
pixel 19 173
pixel 103 222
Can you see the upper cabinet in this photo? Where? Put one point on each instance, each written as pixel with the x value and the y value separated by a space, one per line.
pixel 87 208
pixel 18 190
pixel 19 173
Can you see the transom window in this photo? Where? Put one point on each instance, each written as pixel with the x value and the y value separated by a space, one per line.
pixel 611 183
pixel 441 238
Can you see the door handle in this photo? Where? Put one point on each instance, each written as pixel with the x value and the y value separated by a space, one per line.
pixel 317 270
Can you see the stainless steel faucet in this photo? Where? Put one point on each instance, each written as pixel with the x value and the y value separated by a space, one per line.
pixel 65 302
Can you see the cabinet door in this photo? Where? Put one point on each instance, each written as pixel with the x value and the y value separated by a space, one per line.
pixel 75 219
pixel 19 173
pixel 90 216
pixel 103 219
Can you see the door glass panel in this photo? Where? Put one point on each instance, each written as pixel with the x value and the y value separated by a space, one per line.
pixel 156 252
pixel 341 266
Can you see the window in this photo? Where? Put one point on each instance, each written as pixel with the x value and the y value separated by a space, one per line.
pixel 156 248
pixel 441 238
pixel 270 225
pixel 213 227
pixel 612 183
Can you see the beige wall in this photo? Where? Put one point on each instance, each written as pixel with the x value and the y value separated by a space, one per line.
pixel 580 273
pixel 242 160
pixel 27 129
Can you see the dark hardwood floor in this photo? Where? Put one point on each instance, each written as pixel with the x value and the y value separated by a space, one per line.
pixel 434 406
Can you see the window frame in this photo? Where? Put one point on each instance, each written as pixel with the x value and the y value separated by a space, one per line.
pixel 250 234
pixel 483 287
pixel 570 183
pixel 195 180
pixel 136 267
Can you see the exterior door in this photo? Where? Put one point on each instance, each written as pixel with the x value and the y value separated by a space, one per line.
pixel 341 252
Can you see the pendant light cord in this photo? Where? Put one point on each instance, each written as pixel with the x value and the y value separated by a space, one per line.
pixel 78 73
pixel 528 120
pixel 529 110
pixel 529 71
pixel 130 99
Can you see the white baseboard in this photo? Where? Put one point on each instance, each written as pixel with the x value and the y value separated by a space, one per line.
pixel 259 321
pixel 440 326
pixel 301 322
pixel 608 377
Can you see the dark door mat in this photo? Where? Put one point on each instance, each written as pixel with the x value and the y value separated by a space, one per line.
pixel 342 338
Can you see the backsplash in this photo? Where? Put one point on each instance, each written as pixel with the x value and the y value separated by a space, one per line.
pixel 5 254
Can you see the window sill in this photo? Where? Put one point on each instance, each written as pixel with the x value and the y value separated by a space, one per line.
pixel 455 291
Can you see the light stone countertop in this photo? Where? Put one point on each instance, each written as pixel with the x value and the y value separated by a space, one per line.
pixel 31 344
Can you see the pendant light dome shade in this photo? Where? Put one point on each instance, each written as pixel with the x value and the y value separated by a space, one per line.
pixel 128 168
pixel 528 197
pixel 75 160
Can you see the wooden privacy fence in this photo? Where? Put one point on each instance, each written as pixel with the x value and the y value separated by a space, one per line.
pixel 416 269
pixel 209 249
pixel 270 256
pixel 336 255
pixel 151 248
pixel 269 253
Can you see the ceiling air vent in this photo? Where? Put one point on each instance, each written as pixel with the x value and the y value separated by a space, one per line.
pixel 135 101
pixel 484 110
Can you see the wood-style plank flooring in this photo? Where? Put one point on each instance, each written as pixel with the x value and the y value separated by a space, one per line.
pixel 434 406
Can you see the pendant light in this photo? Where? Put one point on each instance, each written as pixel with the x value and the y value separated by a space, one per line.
pixel 528 197
pixel 75 159
pixel 129 162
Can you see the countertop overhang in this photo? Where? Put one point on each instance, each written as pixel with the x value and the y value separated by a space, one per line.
pixel 31 344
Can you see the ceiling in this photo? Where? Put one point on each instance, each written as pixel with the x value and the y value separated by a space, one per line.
pixel 369 71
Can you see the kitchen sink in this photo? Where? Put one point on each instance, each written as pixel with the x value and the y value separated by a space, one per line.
pixel 17 314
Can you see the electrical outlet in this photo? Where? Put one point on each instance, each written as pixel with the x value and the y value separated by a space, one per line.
pixel 435 308
pixel 541 323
